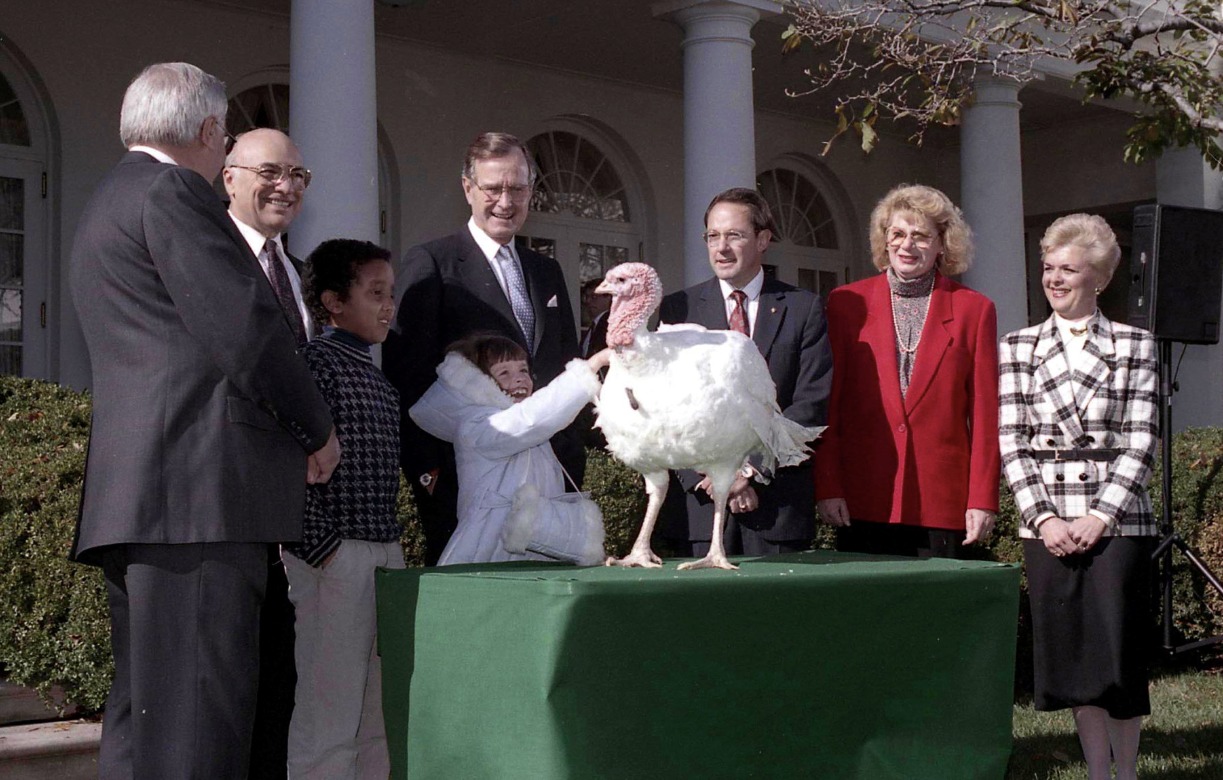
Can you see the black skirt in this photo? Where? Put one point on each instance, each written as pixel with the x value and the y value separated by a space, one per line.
pixel 1091 625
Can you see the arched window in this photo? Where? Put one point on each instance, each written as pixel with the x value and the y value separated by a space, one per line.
pixel 809 252
pixel 24 261
pixel 582 212
pixel 267 105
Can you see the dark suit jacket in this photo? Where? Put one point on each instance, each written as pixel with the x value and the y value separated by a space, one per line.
pixel 927 457
pixel 791 334
pixel 452 292
pixel 203 411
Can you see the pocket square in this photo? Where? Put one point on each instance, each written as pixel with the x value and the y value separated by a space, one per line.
pixel 552 304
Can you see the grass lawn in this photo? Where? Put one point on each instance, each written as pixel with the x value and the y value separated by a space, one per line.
pixel 1181 740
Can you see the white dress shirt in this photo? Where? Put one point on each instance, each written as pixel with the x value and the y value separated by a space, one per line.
pixel 752 291
pixel 490 248
pixel 256 240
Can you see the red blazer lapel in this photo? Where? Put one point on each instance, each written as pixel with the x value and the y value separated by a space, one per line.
pixel 935 339
pixel 880 333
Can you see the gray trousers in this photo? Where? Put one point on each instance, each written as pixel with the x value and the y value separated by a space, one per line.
pixel 185 638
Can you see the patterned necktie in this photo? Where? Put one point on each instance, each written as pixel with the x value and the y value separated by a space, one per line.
pixel 283 288
pixel 520 301
pixel 738 315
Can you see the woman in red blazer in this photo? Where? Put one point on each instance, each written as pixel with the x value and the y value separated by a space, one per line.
pixel 909 463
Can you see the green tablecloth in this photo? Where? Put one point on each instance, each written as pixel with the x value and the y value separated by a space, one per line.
pixel 816 665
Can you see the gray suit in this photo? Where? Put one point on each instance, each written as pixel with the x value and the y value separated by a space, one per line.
pixel 203 417
pixel 791 333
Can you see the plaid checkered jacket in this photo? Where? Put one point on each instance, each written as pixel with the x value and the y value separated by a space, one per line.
pixel 1111 402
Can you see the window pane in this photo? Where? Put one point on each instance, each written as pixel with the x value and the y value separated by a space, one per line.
pixel 11 247
pixel 575 177
pixel 801 212
pixel 545 246
pixel 806 279
pixel 590 261
pixel 10 315
pixel 13 126
pixel 10 360
pixel 12 203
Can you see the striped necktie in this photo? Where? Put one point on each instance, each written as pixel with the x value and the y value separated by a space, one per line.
pixel 283 288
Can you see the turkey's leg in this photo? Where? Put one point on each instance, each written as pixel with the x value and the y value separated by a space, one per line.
pixel 642 554
pixel 716 558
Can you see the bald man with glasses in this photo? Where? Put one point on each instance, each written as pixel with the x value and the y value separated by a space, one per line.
pixel 266 183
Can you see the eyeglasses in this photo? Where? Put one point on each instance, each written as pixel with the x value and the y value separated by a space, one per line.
pixel 230 140
pixel 897 238
pixel 273 173
pixel 714 238
pixel 494 192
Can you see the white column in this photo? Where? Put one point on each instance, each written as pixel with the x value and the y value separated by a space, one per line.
pixel 1183 178
pixel 333 119
pixel 719 112
pixel 991 196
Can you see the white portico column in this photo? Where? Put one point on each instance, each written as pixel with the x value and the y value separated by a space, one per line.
pixel 1183 178
pixel 991 196
pixel 719 113
pixel 333 120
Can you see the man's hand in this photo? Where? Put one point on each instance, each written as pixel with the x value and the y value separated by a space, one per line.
pixel 833 511
pixel 323 461
pixel 742 497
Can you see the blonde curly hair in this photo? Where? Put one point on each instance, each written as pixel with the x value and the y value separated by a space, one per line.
pixel 933 205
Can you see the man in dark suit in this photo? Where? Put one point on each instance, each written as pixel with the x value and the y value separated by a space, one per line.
pixel 477 280
pixel 206 428
pixel 787 325
pixel 266 183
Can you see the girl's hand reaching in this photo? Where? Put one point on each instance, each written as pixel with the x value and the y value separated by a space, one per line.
pixel 599 360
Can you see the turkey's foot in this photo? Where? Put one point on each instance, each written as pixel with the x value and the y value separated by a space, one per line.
pixel 710 561
pixel 643 559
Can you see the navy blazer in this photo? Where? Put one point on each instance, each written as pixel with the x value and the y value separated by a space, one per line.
pixel 450 292
pixel 203 411
pixel 791 333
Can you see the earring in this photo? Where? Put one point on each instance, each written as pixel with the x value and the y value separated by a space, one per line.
pixel 1097 291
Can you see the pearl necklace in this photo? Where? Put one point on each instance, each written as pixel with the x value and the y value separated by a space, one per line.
pixel 901 343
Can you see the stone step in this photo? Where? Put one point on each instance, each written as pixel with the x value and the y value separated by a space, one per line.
pixel 22 705
pixel 61 750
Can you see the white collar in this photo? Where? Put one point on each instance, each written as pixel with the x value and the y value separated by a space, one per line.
pixel 254 238
pixel 751 289
pixel 486 243
pixel 467 381
pixel 156 154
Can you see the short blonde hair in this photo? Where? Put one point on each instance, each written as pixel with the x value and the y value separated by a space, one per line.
pixel 934 206
pixel 1089 232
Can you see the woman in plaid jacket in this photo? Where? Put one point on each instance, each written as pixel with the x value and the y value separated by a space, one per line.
pixel 1078 425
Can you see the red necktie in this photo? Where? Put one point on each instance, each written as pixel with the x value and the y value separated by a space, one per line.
pixel 738 315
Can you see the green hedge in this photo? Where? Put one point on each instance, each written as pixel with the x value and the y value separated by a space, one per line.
pixel 54 626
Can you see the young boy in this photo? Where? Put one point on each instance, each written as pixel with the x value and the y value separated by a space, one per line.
pixel 350 524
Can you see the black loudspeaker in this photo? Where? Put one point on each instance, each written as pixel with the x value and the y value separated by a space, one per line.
pixel 1176 273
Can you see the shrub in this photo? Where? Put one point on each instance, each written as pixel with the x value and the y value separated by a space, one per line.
pixel 54 623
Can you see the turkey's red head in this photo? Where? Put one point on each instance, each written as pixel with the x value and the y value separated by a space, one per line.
pixel 636 292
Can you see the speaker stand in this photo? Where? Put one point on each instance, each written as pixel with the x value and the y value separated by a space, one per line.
pixel 1171 539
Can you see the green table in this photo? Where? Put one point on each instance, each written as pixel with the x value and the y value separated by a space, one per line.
pixel 821 665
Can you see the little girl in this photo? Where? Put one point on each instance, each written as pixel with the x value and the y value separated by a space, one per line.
pixel 512 502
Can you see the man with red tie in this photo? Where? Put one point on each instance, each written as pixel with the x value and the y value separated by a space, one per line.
pixel 787 325
pixel 266 183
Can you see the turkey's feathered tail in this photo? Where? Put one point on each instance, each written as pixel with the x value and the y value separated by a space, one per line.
pixel 784 443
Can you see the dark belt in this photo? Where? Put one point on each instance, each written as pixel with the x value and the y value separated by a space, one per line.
pixel 1100 454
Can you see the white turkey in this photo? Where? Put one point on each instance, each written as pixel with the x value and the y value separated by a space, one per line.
pixel 684 397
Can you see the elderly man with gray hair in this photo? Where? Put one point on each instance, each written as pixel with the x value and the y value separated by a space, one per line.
pixel 206 428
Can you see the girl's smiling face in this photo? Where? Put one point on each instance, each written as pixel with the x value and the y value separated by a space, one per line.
pixel 514 378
